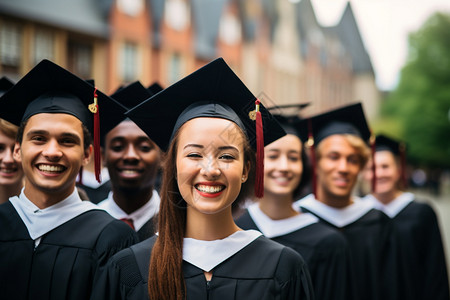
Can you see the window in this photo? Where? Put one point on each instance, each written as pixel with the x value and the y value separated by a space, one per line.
pixel 129 62
pixel 80 58
pixel 10 47
pixel 43 46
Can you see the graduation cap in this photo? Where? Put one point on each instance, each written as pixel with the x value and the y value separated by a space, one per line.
pixel 5 84
pixel 348 119
pixel 398 148
pixel 213 91
pixel 49 88
pixel 155 88
pixel 287 116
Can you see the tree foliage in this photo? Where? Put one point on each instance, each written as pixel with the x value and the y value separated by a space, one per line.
pixel 421 101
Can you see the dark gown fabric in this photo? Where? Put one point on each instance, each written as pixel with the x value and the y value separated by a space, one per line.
pixel 67 262
pixel 148 230
pixel 423 273
pixel 261 270
pixel 96 195
pixel 326 254
pixel 372 255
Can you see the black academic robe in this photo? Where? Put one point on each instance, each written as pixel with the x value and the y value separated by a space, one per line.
pixel 326 254
pixel 423 272
pixel 98 194
pixel 261 270
pixel 67 262
pixel 148 230
pixel 372 254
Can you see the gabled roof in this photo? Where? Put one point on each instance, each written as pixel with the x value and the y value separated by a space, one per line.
pixel 348 32
pixel 84 16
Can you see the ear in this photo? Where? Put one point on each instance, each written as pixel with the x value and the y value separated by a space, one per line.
pixel 245 172
pixel 17 154
pixel 87 155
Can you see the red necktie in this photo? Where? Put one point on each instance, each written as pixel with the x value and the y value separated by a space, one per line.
pixel 128 221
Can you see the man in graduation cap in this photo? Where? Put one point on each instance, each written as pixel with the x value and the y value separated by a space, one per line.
pixel 133 161
pixel 340 152
pixel 53 245
pixel 423 272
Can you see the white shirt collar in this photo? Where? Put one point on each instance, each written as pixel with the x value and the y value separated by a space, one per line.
pixel 140 216
pixel 206 255
pixel 273 228
pixel 394 207
pixel 41 221
pixel 90 181
pixel 339 217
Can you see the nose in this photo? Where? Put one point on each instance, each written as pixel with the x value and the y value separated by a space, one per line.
pixel 52 150
pixel 210 169
pixel 7 156
pixel 343 165
pixel 282 163
pixel 131 154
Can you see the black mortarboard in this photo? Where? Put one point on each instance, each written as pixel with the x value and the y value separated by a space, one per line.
pixel 288 116
pixel 385 143
pixel 349 119
pixel 5 84
pixel 213 91
pixel 155 88
pixel 49 88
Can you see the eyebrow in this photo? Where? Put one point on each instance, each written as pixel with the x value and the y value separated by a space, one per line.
pixel 219 148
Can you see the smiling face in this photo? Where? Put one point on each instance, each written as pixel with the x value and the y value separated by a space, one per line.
pixel 283 166
pixel 52 154
pixel 131 157
pixel 338 166
pixel 210 164
pixel 387 172
pixel 11 172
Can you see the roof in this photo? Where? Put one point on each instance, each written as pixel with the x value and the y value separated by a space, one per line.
pixel 83 16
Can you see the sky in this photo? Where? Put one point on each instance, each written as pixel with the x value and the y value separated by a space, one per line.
pixel 384 26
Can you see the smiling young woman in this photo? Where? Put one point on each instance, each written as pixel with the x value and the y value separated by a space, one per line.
pixel 200 253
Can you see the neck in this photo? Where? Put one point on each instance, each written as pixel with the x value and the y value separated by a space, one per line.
pixel 45 198
pixel 333 200
pixel 388 197
pixel 209 227
pixel 131 200
pixel 7 191
pixel 277 207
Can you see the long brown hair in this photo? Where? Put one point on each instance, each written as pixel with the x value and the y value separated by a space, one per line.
pixel 165 278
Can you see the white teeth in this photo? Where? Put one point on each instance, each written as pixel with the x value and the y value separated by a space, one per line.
pixel 49 168
pixel 7 171
pixel 211 189
pixel 282 179
pixel 129 172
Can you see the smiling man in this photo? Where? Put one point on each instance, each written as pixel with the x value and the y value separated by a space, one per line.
pixel 133 160
pixel 53 245
pixel 341 151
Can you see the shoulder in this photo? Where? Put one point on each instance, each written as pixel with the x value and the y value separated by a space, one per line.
pixel 245 221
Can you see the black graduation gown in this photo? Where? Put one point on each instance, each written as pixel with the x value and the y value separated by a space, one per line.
pixel 326 254
pixel 148 230
pixel 98 194
pixel 372 254
pixel 261 270
pixel 66 263
pixel 423 272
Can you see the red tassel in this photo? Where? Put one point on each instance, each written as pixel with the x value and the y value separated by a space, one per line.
pixel 313 158
pixel 96 111
pixel 374 168
pixel 259 177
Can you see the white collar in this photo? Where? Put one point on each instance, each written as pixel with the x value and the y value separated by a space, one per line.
pixel 394 207
pixel 339 217
pixel 90 181
pixel 273 228
pixel 206 255
pixel 139 216
pixel 41 221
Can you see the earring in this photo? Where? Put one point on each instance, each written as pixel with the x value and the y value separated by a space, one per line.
pixel 243 178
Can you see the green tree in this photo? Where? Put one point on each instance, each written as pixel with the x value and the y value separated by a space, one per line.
pixel 421 102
